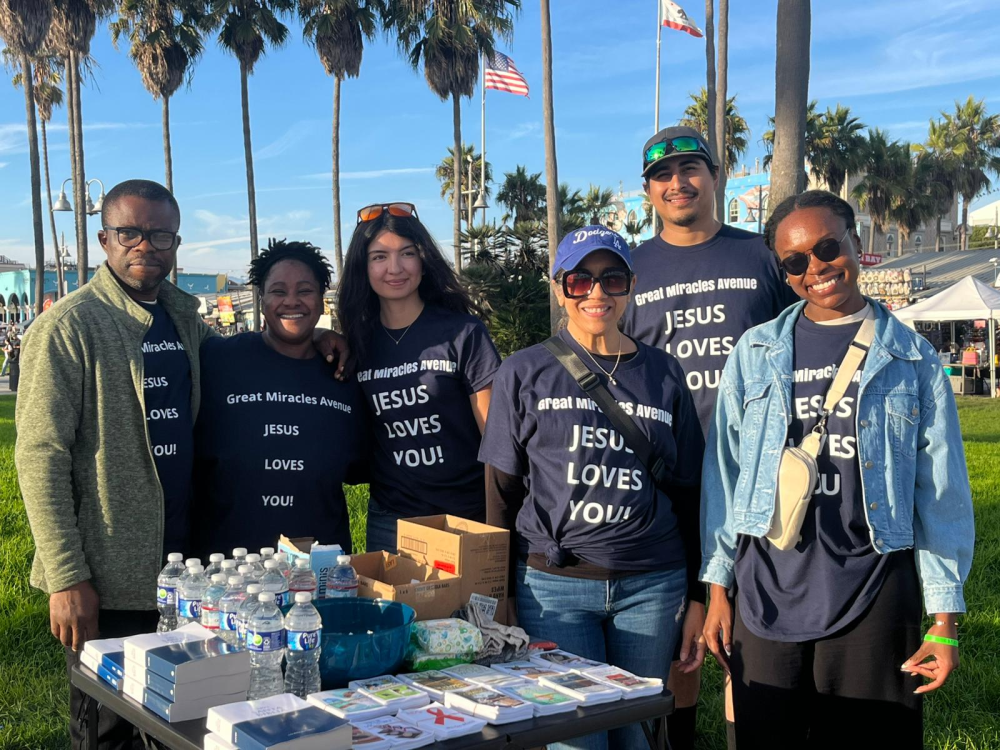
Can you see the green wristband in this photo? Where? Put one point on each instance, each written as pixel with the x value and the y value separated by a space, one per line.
pixel 939 639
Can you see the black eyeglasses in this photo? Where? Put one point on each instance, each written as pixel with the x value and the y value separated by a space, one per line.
pixel 683 144
pixel 796 264
pixel 615 282
pixel 130 237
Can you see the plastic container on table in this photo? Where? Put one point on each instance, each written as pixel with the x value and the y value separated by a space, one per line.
pixel 362 638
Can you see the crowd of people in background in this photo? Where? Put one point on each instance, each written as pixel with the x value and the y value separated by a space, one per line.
pixel 637 456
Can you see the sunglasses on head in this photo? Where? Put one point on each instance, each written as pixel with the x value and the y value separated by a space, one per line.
pixel 616 282
pixel 683 144
pixel 796 264
pixel 372 212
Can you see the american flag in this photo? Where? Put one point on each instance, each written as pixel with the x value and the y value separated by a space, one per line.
pixel 502 75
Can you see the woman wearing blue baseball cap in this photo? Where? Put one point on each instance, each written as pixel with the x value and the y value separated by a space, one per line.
pixel 600 484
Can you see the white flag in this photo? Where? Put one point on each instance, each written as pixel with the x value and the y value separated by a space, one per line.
pixel 674 17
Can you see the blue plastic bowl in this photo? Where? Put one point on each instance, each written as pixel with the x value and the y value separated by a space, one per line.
pixel 362 638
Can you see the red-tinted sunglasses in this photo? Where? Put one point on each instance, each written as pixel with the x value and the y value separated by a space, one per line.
pixel 372 212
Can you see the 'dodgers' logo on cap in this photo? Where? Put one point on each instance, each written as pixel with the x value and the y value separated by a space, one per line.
pixel 581 235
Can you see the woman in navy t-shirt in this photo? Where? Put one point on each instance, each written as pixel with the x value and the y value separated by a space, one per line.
pixel 602 553
pixel 277 434
pixel 425 364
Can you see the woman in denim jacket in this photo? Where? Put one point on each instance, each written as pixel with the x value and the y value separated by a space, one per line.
pixel 825 640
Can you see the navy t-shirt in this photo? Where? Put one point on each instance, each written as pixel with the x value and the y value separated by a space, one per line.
pixel 276 439
pixel 418 395
pixel 587 493
pixel 833 574
pixel 696 301
pixel 166 390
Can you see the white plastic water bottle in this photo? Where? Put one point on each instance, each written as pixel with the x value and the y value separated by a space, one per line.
pixel 303 635
pixel 266 642
pixel 239 555
pixel 166 592
pixel 256 567
pixel 266 553
pixel 228 568
pixel 229 606
pixel 272 580
pixel 189 595
pixel 343 580
pixel 302 578
pixel 214 564
pixel 283 566
pixel 188 564
pixel 210 602
pixel 250 603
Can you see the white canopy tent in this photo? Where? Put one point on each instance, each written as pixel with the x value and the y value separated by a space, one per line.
pixel 968 299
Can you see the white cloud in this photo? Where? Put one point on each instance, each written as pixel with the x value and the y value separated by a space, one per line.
pixel 14 136
pixel 525 130
pixel 370 174
pixel 288 139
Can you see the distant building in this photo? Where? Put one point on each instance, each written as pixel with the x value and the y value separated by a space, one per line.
pixel 628 208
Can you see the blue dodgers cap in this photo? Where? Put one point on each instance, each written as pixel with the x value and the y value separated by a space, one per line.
pixel 577 245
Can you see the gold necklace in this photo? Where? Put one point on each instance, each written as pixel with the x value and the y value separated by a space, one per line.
pixel 611 375
pixel 394 339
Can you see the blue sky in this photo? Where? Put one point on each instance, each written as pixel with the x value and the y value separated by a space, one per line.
pixel 895 68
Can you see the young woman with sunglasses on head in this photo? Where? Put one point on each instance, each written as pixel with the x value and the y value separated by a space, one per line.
pixel 825 638
pixel 604 558
pixel 425 364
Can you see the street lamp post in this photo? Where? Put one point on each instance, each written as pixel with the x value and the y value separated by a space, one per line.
pixel 994 261
pixel 63 204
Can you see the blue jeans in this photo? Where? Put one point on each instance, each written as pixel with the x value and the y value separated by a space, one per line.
pixel 380 533
pixel 631 622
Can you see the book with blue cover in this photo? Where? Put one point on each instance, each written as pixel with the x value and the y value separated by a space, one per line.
pixel 188 653
pixel 190 690
pixel 173 711
pixel 114 663
pixel 110 677
pixel 107 651
pixel 281 722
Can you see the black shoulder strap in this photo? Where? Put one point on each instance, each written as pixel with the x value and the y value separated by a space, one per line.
pixel 591 384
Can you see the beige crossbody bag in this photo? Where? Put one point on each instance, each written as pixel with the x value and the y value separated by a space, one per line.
pixel 797 472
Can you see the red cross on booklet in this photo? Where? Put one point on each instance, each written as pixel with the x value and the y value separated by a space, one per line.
pixel 440 716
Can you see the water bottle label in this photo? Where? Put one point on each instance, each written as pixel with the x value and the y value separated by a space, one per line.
pixel 303 640
pixel 189 608
pixel 265 641
pixel 210 617
pixel 227 621
pixel 282 599
pixel 165 595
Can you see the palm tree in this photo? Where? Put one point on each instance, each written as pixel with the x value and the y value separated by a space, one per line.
pixel 338 30
pixel 571 211
pixel 445 172
pixel 737 130
pixel 814 121
pixel 48 77
pixel 596 200
pixel 246 28
pixel 838 147
pixel 885 166
pixel 916 201
pixel 722 105
pixel 165 38
pixel 522 194
pixel 791 97
pixel 633 229
pixel 976 144
pixel 553 190
pixel 478 245
pixel 938 151
pixel 24 25
pixel 526 238
pixel 449 38
pixel 710 123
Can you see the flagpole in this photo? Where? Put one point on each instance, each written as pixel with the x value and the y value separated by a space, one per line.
pixel 482 176
pixel 659 34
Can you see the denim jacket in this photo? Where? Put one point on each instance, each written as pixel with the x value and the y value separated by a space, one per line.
pixel 914 481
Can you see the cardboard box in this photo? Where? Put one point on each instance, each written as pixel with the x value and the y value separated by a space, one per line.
pixel 479 553
pixel 322 557
pixel 432 593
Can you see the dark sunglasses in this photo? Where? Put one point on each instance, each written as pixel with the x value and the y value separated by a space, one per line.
pixel 796 264
pixel 615 282
pixel 159 239
pixel 683 144
pixel 372 212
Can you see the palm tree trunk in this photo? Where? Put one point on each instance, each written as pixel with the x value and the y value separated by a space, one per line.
pixel 80 183
pixel 457 165
pixel 52 216
pixel 552 206
pixel 71 125
pixel 28 81
pixel 251 193
pixel 937 234
pixel 710 92
pixel 337 244
pixel 872 228
pixel 168 168
pixel 722 122
pixel 963 231
pixel 791 84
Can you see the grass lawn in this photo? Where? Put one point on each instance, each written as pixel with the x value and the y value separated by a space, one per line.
pixel 964 715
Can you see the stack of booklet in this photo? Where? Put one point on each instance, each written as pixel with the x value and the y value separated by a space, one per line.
pixel 366 740
pixel 281 722
pixel 589 692
pixel 444 723
pixel 544 700
pixel 479 675
pixel 181 674
pixel 349 704
pixel 399 734
pixel 106 658
pixel 391 692
pixel 487 703
pixel 631 685
pixel 524 670
pixel 563 661
pixel 435 683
